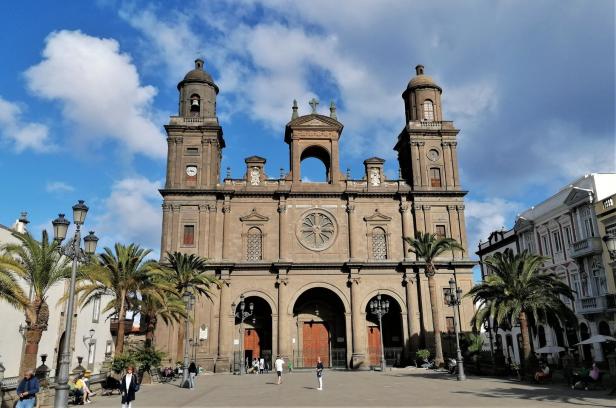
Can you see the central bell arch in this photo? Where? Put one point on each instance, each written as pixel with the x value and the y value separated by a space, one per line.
pixel 320 328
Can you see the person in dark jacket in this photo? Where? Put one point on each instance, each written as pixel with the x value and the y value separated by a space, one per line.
pixel 129 387
pixel 27 389
pixel 192 373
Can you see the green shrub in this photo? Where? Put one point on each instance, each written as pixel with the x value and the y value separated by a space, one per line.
pixel 423 354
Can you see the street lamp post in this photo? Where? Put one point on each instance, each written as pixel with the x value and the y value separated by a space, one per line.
pixel 71 250
pixel 453 300
pixel 379 308
pixel 243 314
pixel 189 300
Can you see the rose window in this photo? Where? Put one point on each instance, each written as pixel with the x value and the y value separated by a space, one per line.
pixel 316 230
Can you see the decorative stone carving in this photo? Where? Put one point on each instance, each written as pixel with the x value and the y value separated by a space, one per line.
pixel 316 230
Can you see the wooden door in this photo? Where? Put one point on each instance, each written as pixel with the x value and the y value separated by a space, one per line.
pixel 374 345
pixel 252 344
pixel 316 344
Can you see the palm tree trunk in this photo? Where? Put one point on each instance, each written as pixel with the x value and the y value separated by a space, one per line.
pixel 121 329
pixel 28 360
pixel 525 338
pixel 150 327
pixel 436 322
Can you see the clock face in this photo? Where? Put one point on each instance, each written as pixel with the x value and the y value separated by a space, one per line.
pixel 191 171
pixel 433 155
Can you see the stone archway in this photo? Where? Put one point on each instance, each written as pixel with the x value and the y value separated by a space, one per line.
pixel 258 339
pixel 320 331
pixel 393 330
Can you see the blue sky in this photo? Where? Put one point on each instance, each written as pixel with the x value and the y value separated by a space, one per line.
pixel 85 88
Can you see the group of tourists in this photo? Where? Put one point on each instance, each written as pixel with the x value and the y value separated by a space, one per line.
pixel 257 366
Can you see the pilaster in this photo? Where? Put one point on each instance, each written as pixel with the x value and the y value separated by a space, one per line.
pixel 204 230
pixel 358 342
pixel 407 228
pixel 284 343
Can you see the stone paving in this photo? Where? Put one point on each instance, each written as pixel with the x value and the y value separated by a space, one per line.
pixel 396 388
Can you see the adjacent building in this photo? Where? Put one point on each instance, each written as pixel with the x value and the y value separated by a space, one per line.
pixel 310 257
pixel 91 336
pixel 568 228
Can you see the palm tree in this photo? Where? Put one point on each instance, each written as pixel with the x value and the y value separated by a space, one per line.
pixel 187 272
pixel 517 290
pixel 40 266
pixel 119 273
pixel 428 247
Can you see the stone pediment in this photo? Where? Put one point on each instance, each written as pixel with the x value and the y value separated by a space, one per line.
pixel 522 223
pixel 315 120
pixel 254 216
pixel 254 159
pixel 577 195
pixel 377 216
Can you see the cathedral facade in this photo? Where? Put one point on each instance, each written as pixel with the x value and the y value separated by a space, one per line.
pixel 307 259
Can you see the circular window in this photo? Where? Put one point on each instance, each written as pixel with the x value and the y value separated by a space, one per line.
pixel 433 154
pixel 316 230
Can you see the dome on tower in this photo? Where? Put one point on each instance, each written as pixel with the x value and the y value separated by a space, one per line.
pixel 198 75
pixel 421 80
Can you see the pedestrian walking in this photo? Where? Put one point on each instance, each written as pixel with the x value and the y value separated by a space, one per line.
pixel 192 373
pixel 129 386
pixel 27 389
pixel 279 363
pixel 261 365
pixel 320 373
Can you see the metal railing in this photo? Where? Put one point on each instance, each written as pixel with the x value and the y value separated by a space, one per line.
pixel 335 359
pixel 393 356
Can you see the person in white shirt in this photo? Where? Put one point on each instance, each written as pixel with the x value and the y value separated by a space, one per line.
pixel 261 365
pixel 279 363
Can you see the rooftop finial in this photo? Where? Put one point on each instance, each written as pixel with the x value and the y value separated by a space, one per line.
pixel 294 114
pixel 332 110
pixel 419 69
pixel 313 105
pixel 199 63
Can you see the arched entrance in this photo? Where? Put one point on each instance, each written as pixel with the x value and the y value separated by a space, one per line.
pixel 393 340
pixel 585 334
pixel 320 329
pixel 257 333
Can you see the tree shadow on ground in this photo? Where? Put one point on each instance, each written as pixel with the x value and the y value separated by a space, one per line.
pixel 541 394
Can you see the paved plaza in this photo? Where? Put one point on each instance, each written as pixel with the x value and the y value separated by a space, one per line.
pixel 408 387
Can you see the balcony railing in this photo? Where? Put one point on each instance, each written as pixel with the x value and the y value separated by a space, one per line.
pixel 424 124
pixel 595 304
pixel 586 246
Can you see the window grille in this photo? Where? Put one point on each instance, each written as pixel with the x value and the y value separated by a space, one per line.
pixel 254 245
pixel 379 244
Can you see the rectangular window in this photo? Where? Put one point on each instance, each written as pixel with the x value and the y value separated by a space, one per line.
pixel 450 324
pixel 568 235
pixel 189 235
pixel 441 231
pixel 192 151
pixel 558 245
pixel 91 353
pixel 590 232
pixel 96 309
pixel 546 250
pixel 435 177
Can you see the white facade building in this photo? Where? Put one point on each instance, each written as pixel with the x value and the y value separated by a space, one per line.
pixel 93 350
pixel 564 228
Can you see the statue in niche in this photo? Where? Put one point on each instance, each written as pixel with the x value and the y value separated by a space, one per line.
pixel 375 177
pixel 255 176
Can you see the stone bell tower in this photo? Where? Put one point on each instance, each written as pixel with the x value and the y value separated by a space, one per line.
pixel 195 139
pixel 427 145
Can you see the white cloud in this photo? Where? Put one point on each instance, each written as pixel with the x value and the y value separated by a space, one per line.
pixel 22 134
pixel 58 187
pixel 131 213
pixel 484 217
pixel 100 91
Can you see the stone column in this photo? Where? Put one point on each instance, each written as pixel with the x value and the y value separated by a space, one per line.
pixel 353 241
pixel 427 219
pixel 415 164
pixel 283 243
pixel 412 307
pixel 170 162
pixel 166 230
pixel 205 156
pixel 204 227
pixel 226 229
pixel 449 177
pixel 179 143
pixel 284 341
pixel 225 328
pixel 407 228
pixel 358 343
pixel 175 226
pixel 419 217
pixel 460 209
pixel 456 171
pixel 214 210
pixel 454 227
pixel 422 164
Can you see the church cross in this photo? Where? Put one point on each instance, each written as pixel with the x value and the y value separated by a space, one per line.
pixel 313 104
